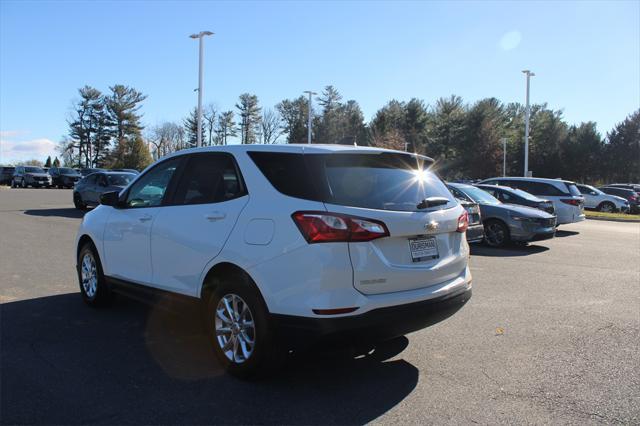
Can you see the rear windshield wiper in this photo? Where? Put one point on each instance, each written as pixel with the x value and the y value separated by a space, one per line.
pixel 432 202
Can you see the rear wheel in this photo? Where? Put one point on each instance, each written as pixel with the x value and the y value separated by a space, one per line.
pixel 239 329
pixel 496 233
pixel 606 207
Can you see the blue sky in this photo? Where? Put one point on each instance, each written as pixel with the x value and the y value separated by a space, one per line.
pixel 586 56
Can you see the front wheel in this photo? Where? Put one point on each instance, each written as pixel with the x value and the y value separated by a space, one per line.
pixel 93 286
pixel 606 207
pixel 239 328
pixel 78 203
pixel 496 233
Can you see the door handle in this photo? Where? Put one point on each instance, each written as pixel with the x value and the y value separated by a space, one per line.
pixel 145 218
pixel 213 216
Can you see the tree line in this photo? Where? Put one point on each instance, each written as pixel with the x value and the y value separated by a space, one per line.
pixel 465 139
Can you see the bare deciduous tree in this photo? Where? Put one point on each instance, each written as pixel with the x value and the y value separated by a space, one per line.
pixel 271 126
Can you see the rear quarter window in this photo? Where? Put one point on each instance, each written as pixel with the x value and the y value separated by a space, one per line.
pixel 287 173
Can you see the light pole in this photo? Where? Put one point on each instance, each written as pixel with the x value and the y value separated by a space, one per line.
pixel 309 119
pixel 200 36
pixel 527 113
pixel 504 157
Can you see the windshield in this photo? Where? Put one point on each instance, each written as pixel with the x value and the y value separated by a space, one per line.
pixel 67 171
pixel 119 180
pixel 594 189
pixel 383 181
pixel 479 195
pixel 33 170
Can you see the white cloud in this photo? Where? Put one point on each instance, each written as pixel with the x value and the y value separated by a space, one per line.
pixel 510 40
pixel 14 149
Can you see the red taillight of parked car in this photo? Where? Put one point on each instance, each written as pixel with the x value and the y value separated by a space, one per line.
pixel 633 198
pixel 463 222
pixel 324 227
pixel 571 201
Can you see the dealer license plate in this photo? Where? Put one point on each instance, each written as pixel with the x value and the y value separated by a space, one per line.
pixel 423 248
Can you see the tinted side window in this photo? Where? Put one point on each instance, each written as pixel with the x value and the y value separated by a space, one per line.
pixel 209 178
pixel 287 172
pixel 149 190
pixel 537 188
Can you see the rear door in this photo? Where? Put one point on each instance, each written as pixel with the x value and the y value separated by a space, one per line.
pixel 423 247
pixel 192 230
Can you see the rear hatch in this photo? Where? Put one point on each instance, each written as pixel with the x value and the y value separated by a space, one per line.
pixel 423 247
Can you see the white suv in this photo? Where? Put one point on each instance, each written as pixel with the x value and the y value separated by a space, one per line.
pixel 598 200
pixel 567 199
pixel 283 245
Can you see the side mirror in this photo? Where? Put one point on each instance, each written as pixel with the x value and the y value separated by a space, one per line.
pixel 110 199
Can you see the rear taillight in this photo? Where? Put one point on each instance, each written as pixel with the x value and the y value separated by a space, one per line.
pixel 571 201
pixel 633 197
pixel 323 227
pixel 463 222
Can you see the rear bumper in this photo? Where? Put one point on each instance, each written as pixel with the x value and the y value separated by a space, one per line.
pixel 375 325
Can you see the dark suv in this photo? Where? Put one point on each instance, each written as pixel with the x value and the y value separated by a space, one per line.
pixel 34 176
pixel 6 175
pixel 64 177
pixel 628 194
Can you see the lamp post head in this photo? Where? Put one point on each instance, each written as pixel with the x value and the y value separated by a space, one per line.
pixel 529 73
pixel 201 34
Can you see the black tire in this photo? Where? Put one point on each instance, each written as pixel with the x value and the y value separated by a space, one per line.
pixel 60 186
pixel 265 353
pixel 606 207
pixel 93 294
pixel 496 233
pixel 78 203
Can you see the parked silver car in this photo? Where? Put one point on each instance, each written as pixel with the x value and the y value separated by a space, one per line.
pixel 87 191
pixel 504 223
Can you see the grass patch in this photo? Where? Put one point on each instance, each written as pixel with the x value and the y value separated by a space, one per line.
pixel 603 215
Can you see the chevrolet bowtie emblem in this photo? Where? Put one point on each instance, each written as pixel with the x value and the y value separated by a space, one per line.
pixel 431 226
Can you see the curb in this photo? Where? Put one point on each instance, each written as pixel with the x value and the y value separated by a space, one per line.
pixel 614 219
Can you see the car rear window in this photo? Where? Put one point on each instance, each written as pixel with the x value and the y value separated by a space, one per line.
pixel 573 189
pixel 386 181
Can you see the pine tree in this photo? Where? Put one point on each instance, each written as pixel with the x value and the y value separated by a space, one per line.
pixel 48 162
pixel 249 112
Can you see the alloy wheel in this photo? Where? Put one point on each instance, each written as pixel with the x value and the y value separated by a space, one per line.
pixel 89 275
pixel 495 234
pixel 606 208
pixel 235 328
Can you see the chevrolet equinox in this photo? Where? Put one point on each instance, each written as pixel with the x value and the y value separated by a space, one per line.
pixel 283 245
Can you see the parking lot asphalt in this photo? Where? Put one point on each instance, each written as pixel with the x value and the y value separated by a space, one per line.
pixel 551 335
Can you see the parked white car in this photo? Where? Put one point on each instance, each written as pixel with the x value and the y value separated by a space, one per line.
pixel 283 244
pixel 598 200
pixel 566 198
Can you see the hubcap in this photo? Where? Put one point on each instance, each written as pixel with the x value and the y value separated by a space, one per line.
pixel 235 329
pixel 606 208
pixel 89 275
pixel 495 234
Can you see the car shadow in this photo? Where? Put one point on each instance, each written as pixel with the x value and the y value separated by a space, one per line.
pixel 64 362
pixel 564 233
pixel 509 251
pixel 70 213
